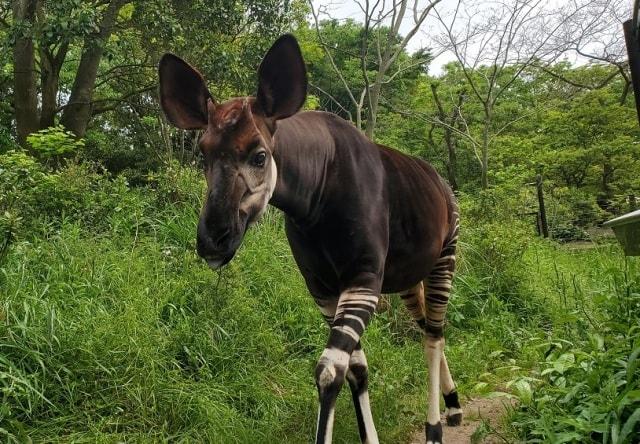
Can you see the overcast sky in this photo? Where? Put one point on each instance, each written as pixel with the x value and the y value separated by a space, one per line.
pixel 349 9
pixel 424 38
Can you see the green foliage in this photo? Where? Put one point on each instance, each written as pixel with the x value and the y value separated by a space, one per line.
pixel 586 392
pixel 111 329
pixel 116 321
pixel 18 172
pixel 53 142
pixel 109 317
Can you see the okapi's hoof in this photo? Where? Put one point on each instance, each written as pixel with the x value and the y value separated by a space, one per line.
pixel 453 412
pixel 454 419
pixel 433 433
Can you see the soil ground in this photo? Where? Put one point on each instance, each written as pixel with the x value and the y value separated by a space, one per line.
pixel 475 411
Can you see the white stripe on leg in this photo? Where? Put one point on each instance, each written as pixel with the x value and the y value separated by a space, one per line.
pixel 446 381
pixel 367 417
pixel 433 352
pixel 358 358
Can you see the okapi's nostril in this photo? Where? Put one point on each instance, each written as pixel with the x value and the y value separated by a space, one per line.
pixel 220 240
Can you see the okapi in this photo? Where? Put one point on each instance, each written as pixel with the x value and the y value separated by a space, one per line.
pixel 361 219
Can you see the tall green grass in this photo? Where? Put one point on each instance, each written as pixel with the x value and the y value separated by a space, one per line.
pixel 112 329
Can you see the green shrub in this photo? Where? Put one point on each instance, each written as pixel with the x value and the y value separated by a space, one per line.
pixel 585 392
pixel 54 142
pixel 571 207
pixel 568 233
pixel 119 156
pixel 20 174
pixel 6 141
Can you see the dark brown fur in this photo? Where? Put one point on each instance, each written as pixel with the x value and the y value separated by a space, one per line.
pixel 353 206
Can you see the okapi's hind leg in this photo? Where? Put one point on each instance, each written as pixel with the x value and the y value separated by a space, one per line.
pixel 438 288
pixel 453 411
pixel 429 312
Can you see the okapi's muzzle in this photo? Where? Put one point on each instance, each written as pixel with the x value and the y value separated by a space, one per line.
pixel 218 244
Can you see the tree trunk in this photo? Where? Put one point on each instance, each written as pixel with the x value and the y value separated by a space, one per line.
pixel 452 164
pixel 374 96
pixel 452 157
pixel 484 164
pixel 77 113
pixel 50 66
pixel 24 74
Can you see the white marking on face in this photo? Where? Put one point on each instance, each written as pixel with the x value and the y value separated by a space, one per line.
pixel 261 194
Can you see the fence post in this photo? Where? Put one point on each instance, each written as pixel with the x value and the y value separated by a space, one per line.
pixel 542 212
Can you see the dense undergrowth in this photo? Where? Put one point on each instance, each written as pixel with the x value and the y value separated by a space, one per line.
pixel 112 329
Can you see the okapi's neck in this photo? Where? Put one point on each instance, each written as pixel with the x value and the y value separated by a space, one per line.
pixel 304 150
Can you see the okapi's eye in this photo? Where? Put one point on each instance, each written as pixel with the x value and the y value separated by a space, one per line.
pixel 259 159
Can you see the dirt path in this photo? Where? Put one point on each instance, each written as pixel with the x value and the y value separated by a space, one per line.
pixel 476 411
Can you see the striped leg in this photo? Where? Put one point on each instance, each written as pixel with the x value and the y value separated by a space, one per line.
pixel 353 312
pixel 453 411
pixel 414 301
pixel 438 288
pixel 358 377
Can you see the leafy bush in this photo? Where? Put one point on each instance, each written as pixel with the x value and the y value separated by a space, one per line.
pixel 568 233
pixel 54 141
pixel 585 392
pixel 570 207
pixel 6 141
pixel 119 156
pixel 19 175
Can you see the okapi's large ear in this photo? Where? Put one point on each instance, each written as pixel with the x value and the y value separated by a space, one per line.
pixel 183 93
pixel 282 78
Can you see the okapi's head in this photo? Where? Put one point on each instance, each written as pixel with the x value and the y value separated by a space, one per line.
pixel 237 143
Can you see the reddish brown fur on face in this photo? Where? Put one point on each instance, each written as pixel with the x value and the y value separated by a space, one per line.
pixel 234 126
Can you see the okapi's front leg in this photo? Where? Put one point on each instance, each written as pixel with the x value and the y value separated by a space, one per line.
pixel 354 310
pixel 358 377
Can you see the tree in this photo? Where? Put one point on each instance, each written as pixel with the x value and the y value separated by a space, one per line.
pixel 381 23
pixel 494 46
pixel 449 121
pixel 591 141
pixel 76 59
pixel 77 111
pixel 594 32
